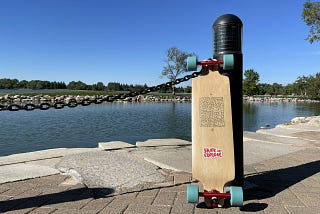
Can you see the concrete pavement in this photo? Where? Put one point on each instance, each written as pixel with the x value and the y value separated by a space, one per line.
pixel 151 177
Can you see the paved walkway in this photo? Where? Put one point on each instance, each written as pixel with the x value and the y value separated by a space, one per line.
pixel 282 166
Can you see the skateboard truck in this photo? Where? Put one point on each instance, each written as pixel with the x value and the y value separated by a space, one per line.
pixel 227 62
pixel 235 195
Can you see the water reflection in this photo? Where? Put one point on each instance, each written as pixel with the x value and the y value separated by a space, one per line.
pixel 256 115
pixel 24 131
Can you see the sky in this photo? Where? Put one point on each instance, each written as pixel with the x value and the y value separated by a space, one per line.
pixel 125 40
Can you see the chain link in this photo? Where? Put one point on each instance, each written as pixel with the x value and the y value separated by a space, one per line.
pixel 71 103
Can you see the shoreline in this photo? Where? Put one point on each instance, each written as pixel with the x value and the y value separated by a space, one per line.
pixel 271 99
pixel 37 99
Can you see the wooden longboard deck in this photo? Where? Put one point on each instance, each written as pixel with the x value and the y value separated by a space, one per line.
pixel 212 135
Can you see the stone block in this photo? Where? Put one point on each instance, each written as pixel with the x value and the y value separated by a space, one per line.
pixel 163 142
pixel 114 145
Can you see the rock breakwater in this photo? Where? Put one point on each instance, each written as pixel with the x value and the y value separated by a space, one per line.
pixel 37 99
pixel 277 99
pixel 22 99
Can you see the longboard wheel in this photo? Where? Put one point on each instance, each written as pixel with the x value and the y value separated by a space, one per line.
pixel 236 196
pixel 192 63
pixel 193 193
pixel 228 62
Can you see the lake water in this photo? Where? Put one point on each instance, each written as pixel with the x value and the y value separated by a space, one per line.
pixel 24 131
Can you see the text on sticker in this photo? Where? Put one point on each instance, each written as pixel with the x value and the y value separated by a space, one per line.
pixel 212 152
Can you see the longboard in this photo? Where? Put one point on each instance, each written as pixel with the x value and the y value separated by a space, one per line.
pixel 212 139
pixel 213 161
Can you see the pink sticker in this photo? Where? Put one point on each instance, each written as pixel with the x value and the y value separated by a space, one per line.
pixel 212 153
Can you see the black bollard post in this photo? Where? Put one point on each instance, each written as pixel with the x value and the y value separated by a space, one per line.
pixel 227 34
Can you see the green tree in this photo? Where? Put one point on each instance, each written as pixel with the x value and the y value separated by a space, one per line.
pixel 311 16
pixel 313 88
pixel 32 84
pixel 250 82
pixel 61 85
pixel 176 64
pixel 277 89
pixel 289 89
pixel 114 86
pixel 188 89
pixel 301 85
pixel 23 84
pixel 77 85
pixel 98 87
pixel 8 83
pixel 264 88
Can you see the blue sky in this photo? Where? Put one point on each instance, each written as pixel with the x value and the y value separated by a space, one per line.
pixel 125 40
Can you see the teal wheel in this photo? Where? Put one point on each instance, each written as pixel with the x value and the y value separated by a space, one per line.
pixel 228 62
pixel 193 193
pixel 192 63
pixel 236 199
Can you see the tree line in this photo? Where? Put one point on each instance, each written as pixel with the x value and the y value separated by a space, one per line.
pixel 33 84
pixel 6 83
pixel 304 86
pixel 73 85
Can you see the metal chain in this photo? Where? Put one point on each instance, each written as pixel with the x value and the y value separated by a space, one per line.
pixel 71 103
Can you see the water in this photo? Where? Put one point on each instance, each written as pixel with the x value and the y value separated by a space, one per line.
pixel 256 115
pixel 24 131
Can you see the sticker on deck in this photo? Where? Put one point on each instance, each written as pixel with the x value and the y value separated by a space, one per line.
pixel 212 152
pixel 211 112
